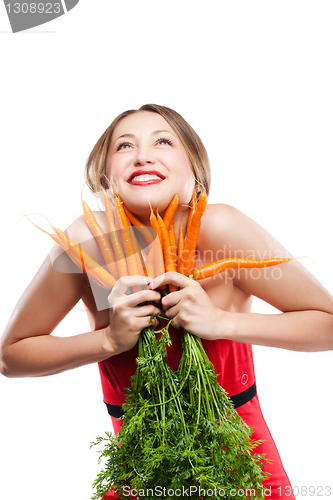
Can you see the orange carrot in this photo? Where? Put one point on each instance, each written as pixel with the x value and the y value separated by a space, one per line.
pixel 144 230
pixel 173 243
pixel 221 265
pixel 92 268
pixel 180 243
pixel 122 237
pixel 135 250
pixel 114 236
pixel 101 239
pixel 80 257
pixel 170 212
pixel 133 258
pixel 193 261
pixel 157 256
pixel 82 260
pixel 169 261
pixel 156 247
pixel 124 222
pixel 192 237
pixel 155 225
pixel 134 220
pixel 134 247
pixel 149 264
pixel 193 204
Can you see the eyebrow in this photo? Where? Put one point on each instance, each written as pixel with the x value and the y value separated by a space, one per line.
pixel 156 132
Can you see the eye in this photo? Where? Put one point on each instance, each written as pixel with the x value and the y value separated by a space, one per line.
pixel 124 145
pixel 163 141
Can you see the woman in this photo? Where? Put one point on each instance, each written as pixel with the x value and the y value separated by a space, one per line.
pixel 153 153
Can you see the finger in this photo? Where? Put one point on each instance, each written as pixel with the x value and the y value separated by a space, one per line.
pixel 171 299
pixel 125 282
pixel 146 321
pixel 172 312
pixel 176 279
pixel 136 298
pixel 147 310
pixel 144 296
pixel 176 323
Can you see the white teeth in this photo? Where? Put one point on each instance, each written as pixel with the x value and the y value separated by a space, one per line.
pixel 145 177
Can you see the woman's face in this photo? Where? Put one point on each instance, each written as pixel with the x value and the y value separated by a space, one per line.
pixel 147 161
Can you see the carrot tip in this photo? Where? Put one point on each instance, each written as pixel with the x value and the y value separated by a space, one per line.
pixel 305 257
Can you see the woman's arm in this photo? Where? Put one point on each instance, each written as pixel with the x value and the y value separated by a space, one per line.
pixel 27 347
pixel 297 331
pixel 306 322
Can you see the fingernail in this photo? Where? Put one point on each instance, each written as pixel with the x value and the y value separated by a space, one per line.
pixel 147 279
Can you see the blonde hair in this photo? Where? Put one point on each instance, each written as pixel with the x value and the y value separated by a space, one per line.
pixel 95 171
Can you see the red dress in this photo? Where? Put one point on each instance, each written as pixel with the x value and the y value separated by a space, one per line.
pixel 233 361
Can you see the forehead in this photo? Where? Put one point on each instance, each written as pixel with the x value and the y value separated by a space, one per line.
pixel 141 122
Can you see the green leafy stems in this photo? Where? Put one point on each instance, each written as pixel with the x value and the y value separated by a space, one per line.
pixel 180 429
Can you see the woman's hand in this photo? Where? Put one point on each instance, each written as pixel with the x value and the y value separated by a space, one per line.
pixel 190 307
pixel 127 316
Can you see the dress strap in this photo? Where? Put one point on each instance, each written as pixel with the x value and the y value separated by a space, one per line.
pixel 244 397
pixel 238 400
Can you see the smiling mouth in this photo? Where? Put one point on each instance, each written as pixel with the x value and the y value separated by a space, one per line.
pixel 144 178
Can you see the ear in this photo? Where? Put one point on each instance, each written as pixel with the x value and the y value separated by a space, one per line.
pixel 198 189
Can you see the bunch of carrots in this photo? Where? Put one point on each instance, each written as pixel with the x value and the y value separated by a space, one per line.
pixel 125 256
pixel 180 428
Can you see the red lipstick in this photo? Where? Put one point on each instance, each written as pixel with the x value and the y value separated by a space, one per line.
pixel 134 179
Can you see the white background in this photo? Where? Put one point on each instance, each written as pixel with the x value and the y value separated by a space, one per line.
pixel 255 79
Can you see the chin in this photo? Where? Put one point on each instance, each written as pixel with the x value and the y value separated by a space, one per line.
pixel 138 205
pixel 141 199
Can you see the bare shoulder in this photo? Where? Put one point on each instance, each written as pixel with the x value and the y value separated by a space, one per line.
pixel 79 232
pixel 229 233
pixel 219 214
pixel 226 227
pixel 219 223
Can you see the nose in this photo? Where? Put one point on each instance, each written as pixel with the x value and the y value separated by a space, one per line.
pixel 143 157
